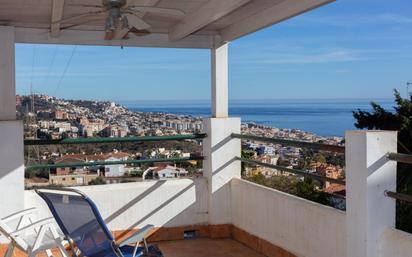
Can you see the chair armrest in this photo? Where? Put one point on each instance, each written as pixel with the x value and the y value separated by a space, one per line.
pixel 19 214
pixel 138 236
pixel 36 224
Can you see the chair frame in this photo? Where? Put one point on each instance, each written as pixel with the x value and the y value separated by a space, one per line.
pixel 136 238
pixel 39 227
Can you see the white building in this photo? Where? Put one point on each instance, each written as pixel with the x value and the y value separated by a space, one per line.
pixel 115 170
pixel 165 172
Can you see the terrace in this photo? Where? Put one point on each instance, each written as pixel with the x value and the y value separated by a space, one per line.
pixel 228 215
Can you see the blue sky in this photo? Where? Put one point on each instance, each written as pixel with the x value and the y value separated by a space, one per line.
pixel 348 49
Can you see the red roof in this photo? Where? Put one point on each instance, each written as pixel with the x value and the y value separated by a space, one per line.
pixel 335 189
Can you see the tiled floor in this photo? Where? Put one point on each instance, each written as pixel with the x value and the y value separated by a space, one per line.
pixel 204 247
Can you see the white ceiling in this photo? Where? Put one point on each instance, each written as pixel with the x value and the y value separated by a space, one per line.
pixel 206 22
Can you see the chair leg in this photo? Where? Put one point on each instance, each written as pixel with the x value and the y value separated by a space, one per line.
pixel 10 249
pixel 135 249
pixel 63 250
pixel 145 245
pixel 49 253
pixel 33 254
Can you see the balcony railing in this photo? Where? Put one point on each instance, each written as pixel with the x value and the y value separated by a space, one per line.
pixel 399 157
pixel 98 140
pixel 295 143
pixel 103 163
pixel 75 141
pixel 294 171
pixel 402 158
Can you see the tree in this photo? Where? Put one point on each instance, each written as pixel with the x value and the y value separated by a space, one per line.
pixel 247 154
pixel 307 189
pixel 97 181
pixel 399 120
pixel 320 158
pixel 136 173
pixel 29 173
pixel 258 179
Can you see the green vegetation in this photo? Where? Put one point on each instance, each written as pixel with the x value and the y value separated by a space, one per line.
pixel 310 156
pixel 306 188
pixel 97 181
pixel 400 120
pixel 136 173
pixel 42 173
pixel 248 154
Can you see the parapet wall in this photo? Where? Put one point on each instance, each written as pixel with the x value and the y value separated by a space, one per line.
pixel 163 203
pixel 299 226
pixel 395 243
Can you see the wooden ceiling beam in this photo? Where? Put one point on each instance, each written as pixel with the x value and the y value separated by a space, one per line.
pixel 83 37
pixel 275 14
pixel 206 14
pixel 57 15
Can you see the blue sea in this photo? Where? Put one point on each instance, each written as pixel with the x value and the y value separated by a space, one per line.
pixel 322 117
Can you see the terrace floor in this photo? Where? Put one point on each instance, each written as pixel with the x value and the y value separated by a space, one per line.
pixel 202 247
pixel 205 247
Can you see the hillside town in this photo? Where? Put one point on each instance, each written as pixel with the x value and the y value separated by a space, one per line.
pixel 47 117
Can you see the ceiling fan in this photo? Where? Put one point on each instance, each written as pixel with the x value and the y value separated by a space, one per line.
pixel 121 18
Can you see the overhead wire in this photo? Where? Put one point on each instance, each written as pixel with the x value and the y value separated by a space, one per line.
pixel 65 70
pixel 51 65
pixel 32 68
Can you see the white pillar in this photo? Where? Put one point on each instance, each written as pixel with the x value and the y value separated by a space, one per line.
pixel 368 175
pixel 220 165
pixel 7 74
pixel 11 130
pixel 220 80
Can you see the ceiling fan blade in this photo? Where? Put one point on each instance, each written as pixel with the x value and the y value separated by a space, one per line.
pixel 138 3
pixel 121 33
pixel 159 10
pixel 86 5
pixel 79 23
pixel 79 16
pixel 139 33
pixel 136 22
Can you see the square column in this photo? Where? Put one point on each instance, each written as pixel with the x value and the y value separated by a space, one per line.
pixel 368 174
pixel 220 166
pixel 7 74
pixel 220 80
pixel 11 131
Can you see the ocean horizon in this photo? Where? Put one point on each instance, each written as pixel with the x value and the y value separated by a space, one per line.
pixel 324 117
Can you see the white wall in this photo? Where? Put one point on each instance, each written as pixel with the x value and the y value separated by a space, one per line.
pixel 11 131
pixel 395 243
pixel 297 225
pixel 114 170
pixel 167 203
pixel 7 74
pixel 11 167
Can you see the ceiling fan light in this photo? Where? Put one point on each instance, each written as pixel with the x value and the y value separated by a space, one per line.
pixel 110 24
pixel 114 3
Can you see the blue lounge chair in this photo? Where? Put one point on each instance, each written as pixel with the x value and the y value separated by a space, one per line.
pixel 80 221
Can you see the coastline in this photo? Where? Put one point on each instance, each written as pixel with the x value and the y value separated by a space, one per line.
pixel 326 117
